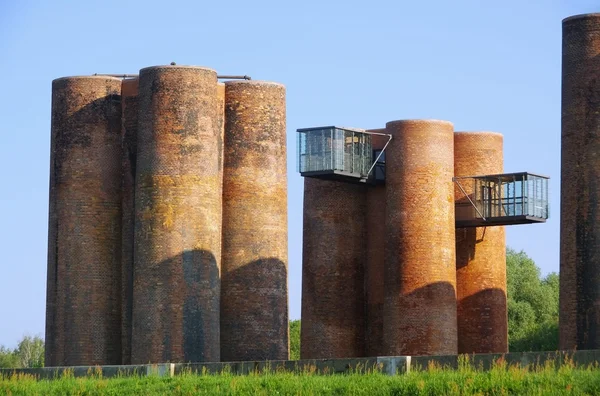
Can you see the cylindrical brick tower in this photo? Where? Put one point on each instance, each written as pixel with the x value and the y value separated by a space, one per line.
pixel 480 254
pixel 129 92
pixel 420 269
pixel 254 305
pixel 84 261
pixel 580 184
pixel 177 252
pixel 375 239
pixel 221 118
pixel 333 260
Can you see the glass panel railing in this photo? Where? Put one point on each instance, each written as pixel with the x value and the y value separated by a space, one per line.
pixel 335 150
pixel 498 198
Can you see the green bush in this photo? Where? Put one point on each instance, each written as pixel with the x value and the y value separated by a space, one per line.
pixel 294 339
pixel 28 353
pixel 532 305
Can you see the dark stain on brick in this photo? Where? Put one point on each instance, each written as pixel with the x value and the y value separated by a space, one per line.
pixel 257 331
pixel 201 276
pixel 484 324
pixel 417 338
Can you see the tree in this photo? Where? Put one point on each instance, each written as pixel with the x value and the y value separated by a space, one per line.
pixel 532 305
pixel 8 358
pixel 294 339
pixel 28 353
pixel 31 352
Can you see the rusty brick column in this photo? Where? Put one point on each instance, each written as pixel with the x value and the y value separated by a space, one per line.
pixel 480 254
pixel 178 217
pixel 333 260
pixel 221 119
pixel 254 305
pixel 375 245
pixel 129 92
pixel 84 260
pixel 420 270
pixel 580 184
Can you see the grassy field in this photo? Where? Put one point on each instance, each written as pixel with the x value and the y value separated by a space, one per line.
pixel 501 380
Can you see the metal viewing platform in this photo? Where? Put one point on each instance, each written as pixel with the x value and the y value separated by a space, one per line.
pixel 347 155
pixel 341 154
pixel 501 199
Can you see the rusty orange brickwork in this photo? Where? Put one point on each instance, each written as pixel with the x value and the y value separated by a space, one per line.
pixel 177 248
pixel 375 245
pixel 254 305
pixel 84 260
pixel 420 273
pixel 480 253
pixel 580 184
pixel 333 260
pixel 129 92
pixel 221 118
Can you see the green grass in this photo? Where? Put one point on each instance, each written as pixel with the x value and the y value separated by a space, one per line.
pixel 500 380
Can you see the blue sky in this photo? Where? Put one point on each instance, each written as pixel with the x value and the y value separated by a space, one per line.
pixel 482 65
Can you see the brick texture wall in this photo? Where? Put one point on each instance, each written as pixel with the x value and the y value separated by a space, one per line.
pixel 129 92
pixel 177 249
pixel 221 118
pixel 84 263
pixel 580 184
pixel 420 273
pixel 254 302
pixel 333 260
pixel 375 245
pixel 480 254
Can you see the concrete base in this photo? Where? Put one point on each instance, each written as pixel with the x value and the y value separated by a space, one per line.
pixel 390 365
